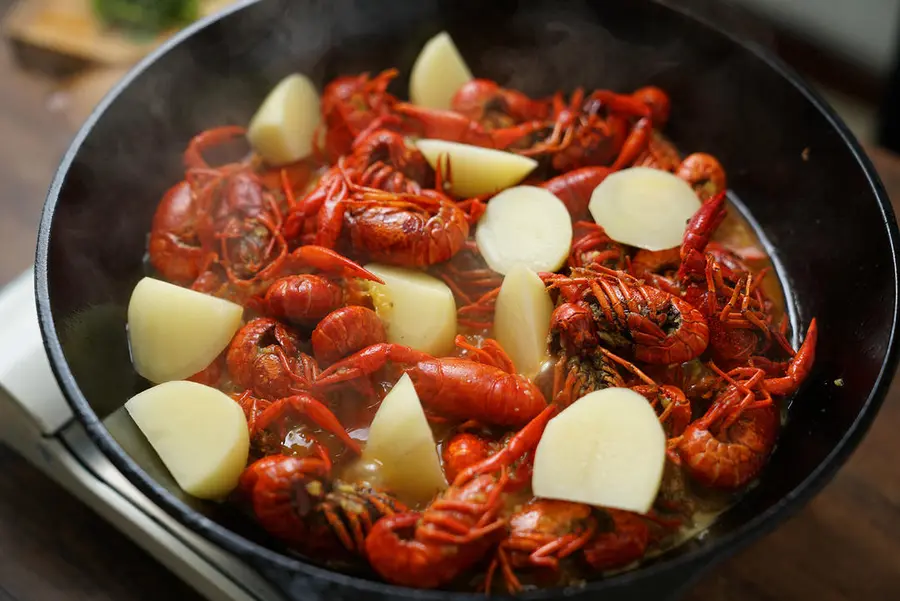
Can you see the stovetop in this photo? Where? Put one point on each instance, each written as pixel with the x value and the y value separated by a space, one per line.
pixel 36 421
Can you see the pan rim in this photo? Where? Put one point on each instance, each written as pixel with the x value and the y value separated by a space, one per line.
pixel 713 552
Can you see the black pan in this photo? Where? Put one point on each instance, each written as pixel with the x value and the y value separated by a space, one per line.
pixel 791 162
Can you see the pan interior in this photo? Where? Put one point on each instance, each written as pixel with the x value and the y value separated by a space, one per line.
pixel 786 161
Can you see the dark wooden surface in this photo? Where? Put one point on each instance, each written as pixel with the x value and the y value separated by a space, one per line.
pixel 843 546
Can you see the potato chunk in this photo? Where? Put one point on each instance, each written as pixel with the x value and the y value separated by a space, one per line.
pixel 417 310
pixel 437 74
pixel 400 439
pixel 522 319
pixel 644 207
pixel 199 433
pixel 606 449
pixel 474 170
pixel 282 130
pixel 175 332
pixel 527 225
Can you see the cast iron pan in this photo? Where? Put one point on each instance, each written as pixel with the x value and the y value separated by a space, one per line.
pixel 807 184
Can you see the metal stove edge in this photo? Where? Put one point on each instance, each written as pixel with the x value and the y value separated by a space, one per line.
pixel 38 424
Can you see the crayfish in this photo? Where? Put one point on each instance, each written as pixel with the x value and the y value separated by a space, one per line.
pixel 486 390
pixel 690 329
pixel 459 527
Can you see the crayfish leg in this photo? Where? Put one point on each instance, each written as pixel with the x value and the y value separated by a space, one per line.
pixel 310 407
pixel 490 353
pixel 368 361
pixel 325 259
pixel 524 441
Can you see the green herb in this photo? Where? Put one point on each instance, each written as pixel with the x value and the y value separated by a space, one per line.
pixel 147 16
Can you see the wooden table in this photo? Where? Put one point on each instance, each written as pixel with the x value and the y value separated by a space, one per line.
pixel 843 546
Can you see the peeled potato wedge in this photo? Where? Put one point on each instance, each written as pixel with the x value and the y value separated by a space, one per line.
pixel 199 433
pixel 607 449
pixel 175 332
pixel 437 74
pixel 644 207
pixel 527 225
pixel 522 319
pixel 474 170
pixel 417 310
pixel 282 130
pixel 400 439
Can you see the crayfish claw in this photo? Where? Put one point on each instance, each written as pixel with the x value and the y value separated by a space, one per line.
pixel 799 366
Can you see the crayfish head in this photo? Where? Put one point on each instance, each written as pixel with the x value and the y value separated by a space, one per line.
pixel 572 329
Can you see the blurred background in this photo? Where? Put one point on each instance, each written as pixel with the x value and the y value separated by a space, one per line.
pixel 59 57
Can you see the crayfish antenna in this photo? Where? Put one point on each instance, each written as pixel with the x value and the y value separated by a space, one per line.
pixel 631 367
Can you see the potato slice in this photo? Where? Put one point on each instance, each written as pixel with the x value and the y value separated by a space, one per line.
pixel 474 170
pixel 644 207
pixel 199 433
pixel 437 74
pixel 400 439
pixel 282 130
pixel 522 319
pixel 175 332
pixel 606 449
pixel 527 225
pixel 417 310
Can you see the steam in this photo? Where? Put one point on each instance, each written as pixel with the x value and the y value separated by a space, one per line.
pixel 727 16
pixel 576 48
pixel 568 43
